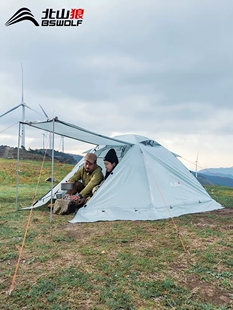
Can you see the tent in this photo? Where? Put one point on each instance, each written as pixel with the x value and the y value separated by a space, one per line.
pixel 149 183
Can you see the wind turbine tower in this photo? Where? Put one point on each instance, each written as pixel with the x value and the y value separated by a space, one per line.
pixel 62 144
pixel 196 162
pixel 23 113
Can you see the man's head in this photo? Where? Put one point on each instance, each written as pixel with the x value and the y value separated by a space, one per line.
pixel 90 162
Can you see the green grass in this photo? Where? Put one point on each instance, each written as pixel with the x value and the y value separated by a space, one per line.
pixel 111 265
pixel 222 194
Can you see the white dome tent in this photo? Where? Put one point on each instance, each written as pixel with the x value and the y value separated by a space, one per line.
pixel 149 183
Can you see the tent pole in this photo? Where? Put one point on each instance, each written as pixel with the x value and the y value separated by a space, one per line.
pixel 17 172
pixel 52 176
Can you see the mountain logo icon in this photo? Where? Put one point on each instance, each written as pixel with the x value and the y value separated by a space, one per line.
pixel 21 15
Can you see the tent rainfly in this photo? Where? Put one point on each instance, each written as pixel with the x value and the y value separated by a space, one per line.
pixel 149 183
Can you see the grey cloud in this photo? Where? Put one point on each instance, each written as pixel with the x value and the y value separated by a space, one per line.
pixel 151 67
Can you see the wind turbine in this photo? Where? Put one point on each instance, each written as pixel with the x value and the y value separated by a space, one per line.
pixel 23 105
pixel 50 142
pixel 196 162
pixel 50 138
pixel 44 136
pixel 62 144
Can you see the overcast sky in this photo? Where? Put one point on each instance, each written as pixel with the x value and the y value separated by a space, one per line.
pixel 158 68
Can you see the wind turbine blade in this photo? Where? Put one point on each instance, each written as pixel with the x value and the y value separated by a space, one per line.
pixel 32 109
pixel 44 112
pixel 11 110
pixel 22 98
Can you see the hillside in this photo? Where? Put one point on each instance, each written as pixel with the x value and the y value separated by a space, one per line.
pixel 222 172
pixel 219 180
pixel 37 154
pixel 206 179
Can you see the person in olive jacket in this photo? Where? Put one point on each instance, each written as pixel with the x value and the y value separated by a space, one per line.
pixel 85 179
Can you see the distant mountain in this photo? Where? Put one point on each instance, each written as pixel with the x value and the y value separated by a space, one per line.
pixel 76 157
pixel 222 172
pixel 63 157
pixel 207 179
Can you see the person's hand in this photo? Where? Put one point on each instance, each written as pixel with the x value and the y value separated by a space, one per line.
pixel 75 198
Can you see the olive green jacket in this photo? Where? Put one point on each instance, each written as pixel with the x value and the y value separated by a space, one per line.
pixel 89 179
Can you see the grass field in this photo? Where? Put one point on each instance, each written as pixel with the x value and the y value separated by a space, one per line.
pixel 110 265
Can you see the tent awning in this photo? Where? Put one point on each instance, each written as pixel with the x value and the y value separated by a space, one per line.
pixel 75 132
